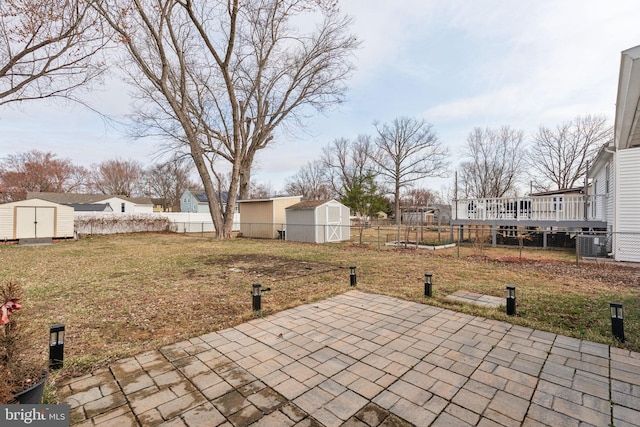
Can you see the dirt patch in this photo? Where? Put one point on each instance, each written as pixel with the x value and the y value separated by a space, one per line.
pixel 269 266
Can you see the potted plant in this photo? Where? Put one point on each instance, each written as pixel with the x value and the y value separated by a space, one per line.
pixel 22 376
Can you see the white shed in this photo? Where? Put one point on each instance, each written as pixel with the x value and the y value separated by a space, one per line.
pixel 34 219
pixel 317 221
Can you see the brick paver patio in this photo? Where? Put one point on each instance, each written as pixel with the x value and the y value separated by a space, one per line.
pixel 360 359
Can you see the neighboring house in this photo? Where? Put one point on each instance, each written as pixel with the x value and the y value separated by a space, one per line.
pixel 35 219
pixel 607 212
pixel 318 221
pixel 196 201
pixel 118 204
pixel 264 218
pixel 90 207
pixel 159 205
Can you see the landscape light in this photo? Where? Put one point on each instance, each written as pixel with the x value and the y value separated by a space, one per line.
pixel 511 300
pixel 352 276
pixel 256 293
pixel 56 346
pixel 427 284
pixel 617 320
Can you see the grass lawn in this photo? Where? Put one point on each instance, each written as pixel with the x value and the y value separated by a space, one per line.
pixel 123 294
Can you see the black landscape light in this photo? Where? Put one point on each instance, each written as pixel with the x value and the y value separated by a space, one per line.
pixel 427 284
pixel 352 275
pixel 256 292
pixel 511 300
pixel 56 346
pixel 617 320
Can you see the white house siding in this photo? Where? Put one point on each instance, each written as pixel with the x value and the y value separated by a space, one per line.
pixel 628 205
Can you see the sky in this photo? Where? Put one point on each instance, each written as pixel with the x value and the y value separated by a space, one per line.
pixel 458 64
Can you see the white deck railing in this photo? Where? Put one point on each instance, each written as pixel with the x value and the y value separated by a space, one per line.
pixel 535 208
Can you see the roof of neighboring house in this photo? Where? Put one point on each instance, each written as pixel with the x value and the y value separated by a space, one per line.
pixel 73 198
pixel 201 196
pixel 90 207
pixel 309 204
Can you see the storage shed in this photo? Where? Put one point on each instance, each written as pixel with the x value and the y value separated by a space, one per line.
pixel 264 218
pixel 35 219
pixel 318 221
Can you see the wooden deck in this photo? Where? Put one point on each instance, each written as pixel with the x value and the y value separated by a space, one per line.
pixel 555 210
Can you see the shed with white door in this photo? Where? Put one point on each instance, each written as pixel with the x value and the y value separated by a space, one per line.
pixel 318 221
pixel 35 219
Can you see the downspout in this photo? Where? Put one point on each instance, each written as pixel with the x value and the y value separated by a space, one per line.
pixel 615 199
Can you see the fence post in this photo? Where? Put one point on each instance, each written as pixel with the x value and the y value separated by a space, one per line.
pixel 378 237
pixel 577 248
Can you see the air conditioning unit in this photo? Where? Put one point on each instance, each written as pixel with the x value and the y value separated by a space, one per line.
pixel 592 246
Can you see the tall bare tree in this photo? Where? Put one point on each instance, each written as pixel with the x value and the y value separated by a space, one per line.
pixel 310 182
pixel 38 171
pixel 493 164
pixel 559 156
pixel 408 150
pixel 220 77
pixel 346 162
pixel 168 180
pixel 48 48
pixel 119 177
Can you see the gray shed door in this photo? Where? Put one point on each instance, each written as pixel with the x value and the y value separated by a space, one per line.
pixel 33 222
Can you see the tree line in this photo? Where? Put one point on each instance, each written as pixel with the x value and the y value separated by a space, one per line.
pixel 38 171
pixel 494 163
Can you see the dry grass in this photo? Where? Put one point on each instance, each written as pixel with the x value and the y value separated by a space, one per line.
pixel 120 295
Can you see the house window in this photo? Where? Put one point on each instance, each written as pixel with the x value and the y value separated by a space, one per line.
pixel 607 173
pixel 557 204
pixel 122 207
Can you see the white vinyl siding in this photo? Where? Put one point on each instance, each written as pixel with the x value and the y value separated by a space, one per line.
pixel 628 205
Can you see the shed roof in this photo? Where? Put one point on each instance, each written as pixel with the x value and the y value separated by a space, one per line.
pixel 270 199
pixel 309 204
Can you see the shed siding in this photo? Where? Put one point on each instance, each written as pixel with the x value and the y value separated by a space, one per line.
pixel 328 222
pixel 256 220
pixel 17 220
pixel 627 218
pixel 300 226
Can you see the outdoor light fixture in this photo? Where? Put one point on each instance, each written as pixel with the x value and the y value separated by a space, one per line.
pixel 511 300
pixel 617 320
pixel 56 346
pixel 352 276
pixel 427 284
pixel 256 292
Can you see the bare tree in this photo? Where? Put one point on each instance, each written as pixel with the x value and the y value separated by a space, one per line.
pixel 420 197
pixel 494 162
pixel 38 171
pixel 310 182
pixel 219 77
pixel 408 150
pixel 260 190
pixel 347 162
pixel 559 156
pixel 119 177
pixel 47 48
pixel 167 181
